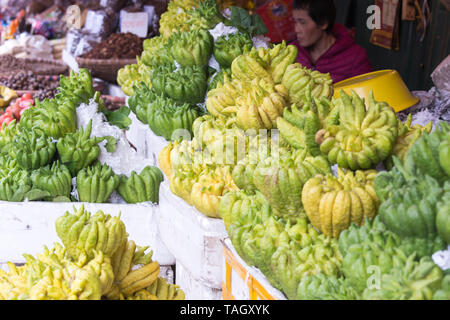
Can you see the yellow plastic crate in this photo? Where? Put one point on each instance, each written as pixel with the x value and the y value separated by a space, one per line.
pixel 236 267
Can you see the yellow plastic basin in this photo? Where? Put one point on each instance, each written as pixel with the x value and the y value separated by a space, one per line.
pixel 387 85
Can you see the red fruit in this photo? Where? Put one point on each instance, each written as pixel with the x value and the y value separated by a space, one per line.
pixel 26 96
pixel 25 102
pixel 7 120
pixel 8 111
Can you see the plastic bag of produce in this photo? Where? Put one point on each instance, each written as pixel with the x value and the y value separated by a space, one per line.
pixel 73 37
pixel 101 22
pixel 86 43
pixel 115 5
pixel 124 159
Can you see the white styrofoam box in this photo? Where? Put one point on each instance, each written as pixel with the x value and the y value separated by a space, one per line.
pixel 193 238
pixel 239 288
pixel 136 135
pixel 148 144
pixel 194 288
pixel 154 144
pixel 25 227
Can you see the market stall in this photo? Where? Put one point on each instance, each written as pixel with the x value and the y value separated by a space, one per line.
pixel 209 164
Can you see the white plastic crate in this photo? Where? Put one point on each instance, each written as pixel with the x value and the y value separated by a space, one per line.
pixel 194 288
pixel 148 144
pixel 193 238
pixel 154 144
pixel 25 227
pixel 136 136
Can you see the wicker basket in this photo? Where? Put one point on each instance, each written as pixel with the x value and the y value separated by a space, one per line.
pixel 21 92
pixel 54 67
pixel 105 69
pixel 58 45
pixel 47 67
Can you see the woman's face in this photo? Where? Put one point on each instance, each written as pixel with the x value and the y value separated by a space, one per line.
pixel 308 32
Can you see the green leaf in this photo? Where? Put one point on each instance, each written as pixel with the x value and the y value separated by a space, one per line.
pixel 246 22
pixel 119 117
pixel 258 23
pixel 111 144
pixel 240 17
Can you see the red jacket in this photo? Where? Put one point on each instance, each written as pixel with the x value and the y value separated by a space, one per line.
pixel 345 59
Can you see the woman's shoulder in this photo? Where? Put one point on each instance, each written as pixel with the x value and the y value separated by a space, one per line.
pixel 355 51
pixel 346 58
pixel 344 41
pixel 345 46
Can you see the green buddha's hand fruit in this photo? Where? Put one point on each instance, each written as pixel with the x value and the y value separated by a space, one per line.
pixel 141 187
pixel 32 149
pixel 55 179
pixel 96 183
pixel 78 150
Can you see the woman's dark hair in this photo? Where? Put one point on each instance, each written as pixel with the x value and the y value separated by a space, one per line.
pixel 321 11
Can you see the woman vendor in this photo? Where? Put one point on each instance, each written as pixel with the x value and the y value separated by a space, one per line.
pixel 324 45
